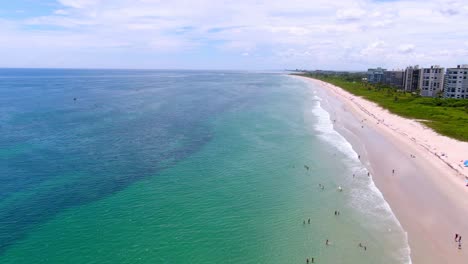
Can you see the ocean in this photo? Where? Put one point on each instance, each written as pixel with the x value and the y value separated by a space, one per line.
pixel 146 166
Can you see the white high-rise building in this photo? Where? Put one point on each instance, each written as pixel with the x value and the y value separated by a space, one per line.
pixel 456 82
pixel 411 78
pixel 431 81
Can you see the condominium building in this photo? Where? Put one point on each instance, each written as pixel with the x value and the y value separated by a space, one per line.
pixel 394 78
pixel 431 81
pixel 411 78
pixel 375 75
pixel 456 82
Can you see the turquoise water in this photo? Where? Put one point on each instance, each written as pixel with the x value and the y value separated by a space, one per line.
pixel 180 166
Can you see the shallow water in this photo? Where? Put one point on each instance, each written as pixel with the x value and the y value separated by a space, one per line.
pixel 172 166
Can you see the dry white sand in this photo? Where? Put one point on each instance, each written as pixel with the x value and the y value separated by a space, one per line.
pixel 427 192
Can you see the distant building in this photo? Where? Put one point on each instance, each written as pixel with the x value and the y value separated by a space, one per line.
pixel 431 81
pixel 456 82
pixel 394 78
pixel 376 75
pixel 411 78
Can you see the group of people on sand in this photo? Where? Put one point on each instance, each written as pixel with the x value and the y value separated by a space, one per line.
pixel 458 239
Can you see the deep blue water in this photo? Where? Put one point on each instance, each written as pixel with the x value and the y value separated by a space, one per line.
pixel 103 129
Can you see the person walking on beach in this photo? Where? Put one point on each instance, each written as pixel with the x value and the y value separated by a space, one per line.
pixel 393 171
pixel 307 260
pixel 456 237
pixel 459 238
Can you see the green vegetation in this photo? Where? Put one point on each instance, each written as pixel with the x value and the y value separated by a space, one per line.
pixel 446 116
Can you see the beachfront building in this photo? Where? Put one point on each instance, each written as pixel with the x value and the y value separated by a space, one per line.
pixel 456 82
pixel 394 78
pixel 411 78
pixel 431 81
pixel 375 75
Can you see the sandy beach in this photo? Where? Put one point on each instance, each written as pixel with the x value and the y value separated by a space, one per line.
pixel 427 190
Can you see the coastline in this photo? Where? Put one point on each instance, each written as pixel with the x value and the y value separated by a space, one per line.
pixel 427 193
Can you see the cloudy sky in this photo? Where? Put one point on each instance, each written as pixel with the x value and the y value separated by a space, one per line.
pixel 239 34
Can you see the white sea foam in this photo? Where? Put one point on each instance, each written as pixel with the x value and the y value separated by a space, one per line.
pixel 366 198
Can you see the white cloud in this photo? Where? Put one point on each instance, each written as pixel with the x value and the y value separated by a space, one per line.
pixel 349 15
pixel 375 48
pixel 406 48
pixel 61 12
pixel 347 34
pixel 79 3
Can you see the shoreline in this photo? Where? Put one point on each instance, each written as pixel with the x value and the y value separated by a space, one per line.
pixel 427 192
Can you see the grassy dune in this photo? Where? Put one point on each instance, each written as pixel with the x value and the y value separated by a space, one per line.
pixel 446 116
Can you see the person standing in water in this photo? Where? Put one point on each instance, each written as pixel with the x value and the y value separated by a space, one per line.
pixel 327 243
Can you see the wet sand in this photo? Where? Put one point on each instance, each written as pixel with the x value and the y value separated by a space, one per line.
pixel 427 192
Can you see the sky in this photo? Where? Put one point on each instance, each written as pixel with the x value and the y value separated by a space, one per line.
pixel 239 34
